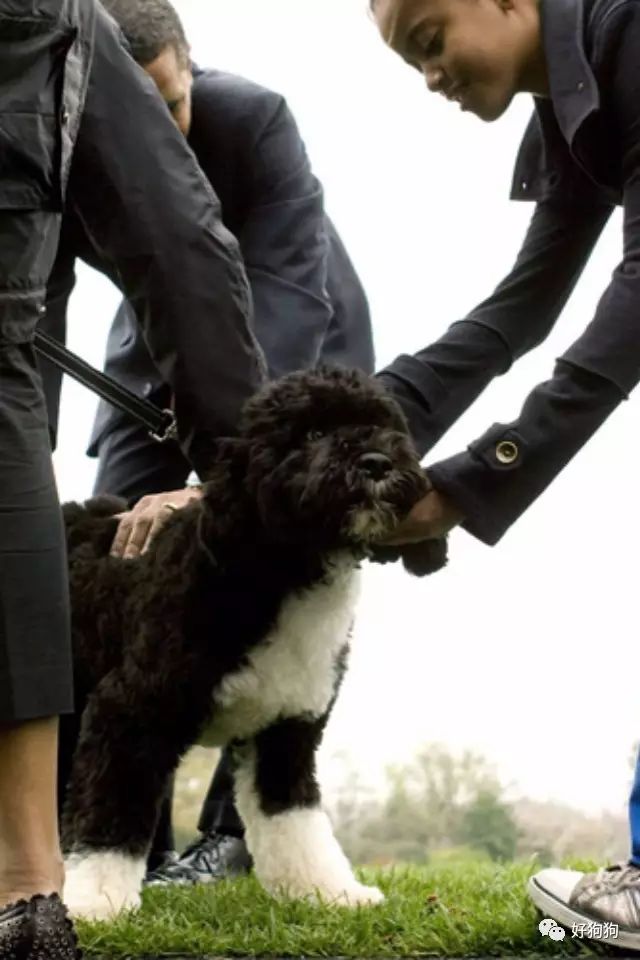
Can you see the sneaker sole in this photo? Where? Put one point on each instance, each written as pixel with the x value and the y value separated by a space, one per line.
pixel 565 915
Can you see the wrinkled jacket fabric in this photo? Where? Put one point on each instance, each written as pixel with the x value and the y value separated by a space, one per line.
pixel 45 51
pixel 579 158
pixel 309 304
pixel 140 210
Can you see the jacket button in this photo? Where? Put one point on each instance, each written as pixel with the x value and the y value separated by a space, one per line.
pixel 580 86
pixel 524 186
pixel 64 116
pixel 507 452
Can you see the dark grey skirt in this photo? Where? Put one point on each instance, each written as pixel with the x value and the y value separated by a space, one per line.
pixel 35 647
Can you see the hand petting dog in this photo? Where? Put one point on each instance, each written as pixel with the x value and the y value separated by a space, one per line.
pixel 432 517
pixel 139 526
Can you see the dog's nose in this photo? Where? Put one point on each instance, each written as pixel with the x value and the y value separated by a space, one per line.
pixel 375 464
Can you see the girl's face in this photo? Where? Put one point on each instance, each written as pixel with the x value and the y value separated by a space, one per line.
pixel 477 53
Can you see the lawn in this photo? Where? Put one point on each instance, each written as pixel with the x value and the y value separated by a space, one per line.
pixel 451 910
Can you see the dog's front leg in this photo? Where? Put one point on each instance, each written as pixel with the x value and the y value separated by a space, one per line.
pixel 120 768
pixel 290 837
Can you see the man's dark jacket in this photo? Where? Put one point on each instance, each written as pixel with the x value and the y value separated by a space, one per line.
pixel 142 213
pixel 309 305
pixel 579 158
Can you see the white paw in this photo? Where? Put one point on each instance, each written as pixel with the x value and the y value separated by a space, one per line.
pixel 359 895
pixel 98 886
pixel 355 895
pixel 99 905
pixel 348 894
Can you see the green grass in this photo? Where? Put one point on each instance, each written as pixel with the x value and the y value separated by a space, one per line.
pixel 464 910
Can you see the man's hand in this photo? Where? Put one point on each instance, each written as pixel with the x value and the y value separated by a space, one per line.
pixel 139 526
pixel 431 518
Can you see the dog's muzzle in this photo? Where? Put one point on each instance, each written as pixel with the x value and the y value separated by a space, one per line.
pixel 377 466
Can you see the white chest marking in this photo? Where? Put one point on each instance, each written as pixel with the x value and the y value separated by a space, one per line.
pixel 293 671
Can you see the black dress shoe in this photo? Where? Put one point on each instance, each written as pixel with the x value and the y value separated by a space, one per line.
pixel 37 929
pixel 214 856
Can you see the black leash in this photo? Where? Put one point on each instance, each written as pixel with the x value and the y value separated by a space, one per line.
pixel 161 424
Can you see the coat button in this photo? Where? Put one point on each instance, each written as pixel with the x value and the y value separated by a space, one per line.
pixel 580 86
pixel 64 116
pixel 524 186
pixel 507 452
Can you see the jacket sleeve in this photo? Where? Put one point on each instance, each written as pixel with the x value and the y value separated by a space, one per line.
pixel 439 383
pixel 285 245
pixel 494 484
pixel 155 227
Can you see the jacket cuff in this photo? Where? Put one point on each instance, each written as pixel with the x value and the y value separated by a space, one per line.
pixel 480 482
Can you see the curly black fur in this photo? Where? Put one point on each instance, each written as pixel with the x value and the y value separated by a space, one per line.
pixel 322 468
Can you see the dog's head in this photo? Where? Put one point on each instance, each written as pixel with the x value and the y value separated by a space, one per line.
pixel 327 460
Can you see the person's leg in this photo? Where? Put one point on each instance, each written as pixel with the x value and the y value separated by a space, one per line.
pixel 164 842
pixel 29 842
pixel 219 812
pixel 35 650
pixel 634 816
pixel 604 905
pixel 220 851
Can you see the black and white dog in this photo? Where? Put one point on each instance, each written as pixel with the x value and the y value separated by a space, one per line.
pixel 234 628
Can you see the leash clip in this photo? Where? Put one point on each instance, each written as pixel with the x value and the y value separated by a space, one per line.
pixel 169 431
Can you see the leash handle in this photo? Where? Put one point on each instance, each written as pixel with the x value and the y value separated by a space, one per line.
pixel 161 424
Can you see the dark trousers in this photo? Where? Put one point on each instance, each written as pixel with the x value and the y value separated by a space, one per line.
pixel 131 465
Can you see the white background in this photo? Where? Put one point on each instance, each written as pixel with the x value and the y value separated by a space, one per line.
pixel 526 651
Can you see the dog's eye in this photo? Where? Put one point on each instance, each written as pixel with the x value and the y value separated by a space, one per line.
pixel 315 435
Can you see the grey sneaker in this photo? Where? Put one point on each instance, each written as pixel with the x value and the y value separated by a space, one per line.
pixel 161 859
pixel 602 906
pixel 213 856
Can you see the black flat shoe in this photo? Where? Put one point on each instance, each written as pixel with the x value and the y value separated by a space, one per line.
pixel 37 929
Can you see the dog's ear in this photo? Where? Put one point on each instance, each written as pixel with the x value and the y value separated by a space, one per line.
pixel 425 557
pixel 419 559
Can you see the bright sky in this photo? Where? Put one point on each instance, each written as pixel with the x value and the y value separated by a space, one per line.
pixel 523 651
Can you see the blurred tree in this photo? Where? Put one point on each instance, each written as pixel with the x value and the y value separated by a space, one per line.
pixel 487 824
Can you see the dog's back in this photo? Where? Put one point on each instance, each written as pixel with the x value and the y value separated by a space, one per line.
pixel 92 524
